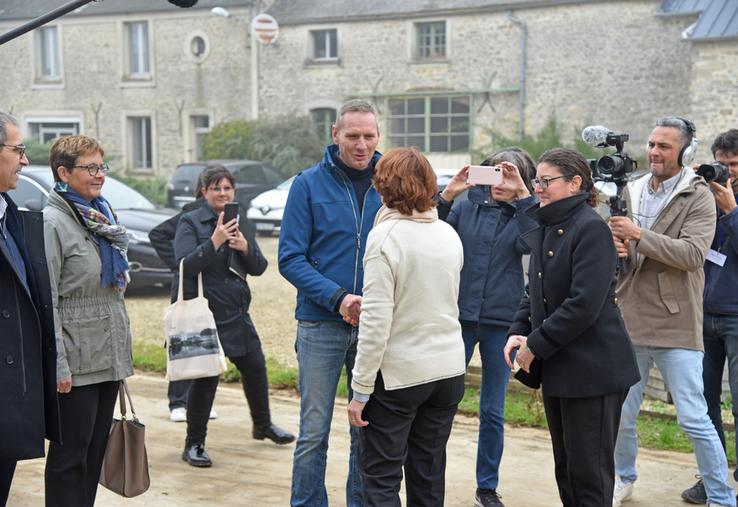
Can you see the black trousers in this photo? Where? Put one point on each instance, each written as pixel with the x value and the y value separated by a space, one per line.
pixel 177 393
pixel 255 386
pixel 408 428
pixel 7 470
pixel 73 467
pixel 583 433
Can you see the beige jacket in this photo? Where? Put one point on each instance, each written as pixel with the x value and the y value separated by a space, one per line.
pixel 661 294
pixel 93 336
pixel 409 326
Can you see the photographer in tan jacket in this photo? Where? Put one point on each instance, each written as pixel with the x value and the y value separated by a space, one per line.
pixel 666 238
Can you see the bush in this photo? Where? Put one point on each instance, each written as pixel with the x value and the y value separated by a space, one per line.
pixel 37 153
pixel 288 143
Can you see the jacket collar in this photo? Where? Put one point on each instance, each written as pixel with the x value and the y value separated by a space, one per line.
pixel 558 211
pixel 687 184
pixel 205 213
pixel 331 154
pixel 386 213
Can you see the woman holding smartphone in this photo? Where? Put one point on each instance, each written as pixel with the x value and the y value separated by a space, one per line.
pixel 569 333
pixel 211 245
pixel 489 224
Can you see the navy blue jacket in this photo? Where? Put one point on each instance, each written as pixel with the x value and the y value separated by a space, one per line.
pixel 492 278
pixel 323 237
pixel 721 283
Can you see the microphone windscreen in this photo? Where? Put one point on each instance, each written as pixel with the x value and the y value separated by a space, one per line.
pixel 183 3
pixel 595 135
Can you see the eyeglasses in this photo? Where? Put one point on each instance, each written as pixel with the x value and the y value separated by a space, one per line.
pixel 20 149
pixel 93 169
pixel 218 190
pixel 543 183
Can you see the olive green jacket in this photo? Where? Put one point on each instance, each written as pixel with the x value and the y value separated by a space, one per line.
pixel 93 336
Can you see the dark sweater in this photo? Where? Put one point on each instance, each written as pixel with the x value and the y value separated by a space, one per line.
pixel 721 283
pixel 361 179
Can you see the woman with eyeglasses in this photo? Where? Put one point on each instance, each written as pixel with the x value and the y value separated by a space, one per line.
pixel 206 245
pixel 86 253
pixel 569 334
pixel 489 224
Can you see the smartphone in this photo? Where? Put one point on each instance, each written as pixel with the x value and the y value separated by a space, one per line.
pixel 484 175
pixel 230 212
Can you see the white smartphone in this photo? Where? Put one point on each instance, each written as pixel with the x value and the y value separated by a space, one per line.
pixel 484 175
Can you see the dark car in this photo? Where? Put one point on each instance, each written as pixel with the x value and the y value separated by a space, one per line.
pixel 252 178
pixel 134 211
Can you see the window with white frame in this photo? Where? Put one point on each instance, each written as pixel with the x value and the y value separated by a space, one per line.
pixel 47 129
pixel 325 44
pixel 430 40
pixel 48 59
pixel 200 127
pixel 433 124
pixel 137 46
pixel 324 118
pixel 140 143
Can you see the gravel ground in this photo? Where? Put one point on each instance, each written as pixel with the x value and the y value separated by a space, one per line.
pixel 272 310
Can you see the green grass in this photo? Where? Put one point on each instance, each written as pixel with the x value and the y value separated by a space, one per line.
pixel 522 408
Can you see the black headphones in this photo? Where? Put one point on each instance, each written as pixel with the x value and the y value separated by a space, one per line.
pixel 688 151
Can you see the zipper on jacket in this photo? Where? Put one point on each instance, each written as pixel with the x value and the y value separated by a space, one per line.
pixel 357 224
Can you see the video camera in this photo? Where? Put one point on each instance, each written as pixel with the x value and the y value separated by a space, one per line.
pixel 615 167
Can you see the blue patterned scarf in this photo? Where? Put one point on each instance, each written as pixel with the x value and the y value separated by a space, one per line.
pixel 111 237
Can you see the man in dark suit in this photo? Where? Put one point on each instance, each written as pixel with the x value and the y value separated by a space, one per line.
pixel 28 399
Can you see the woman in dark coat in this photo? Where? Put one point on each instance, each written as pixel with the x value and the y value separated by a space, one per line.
pixel 489 225
pixel 210 247
pixel 570 334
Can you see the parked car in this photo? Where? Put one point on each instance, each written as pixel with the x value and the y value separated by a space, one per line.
pixel 134 211
pixel 252 178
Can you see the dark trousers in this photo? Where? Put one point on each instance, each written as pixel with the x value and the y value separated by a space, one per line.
pixel 177 393
pixel 253 371
pixel 7 470
pixel 73 467
pixel 583 433
pixel 407 427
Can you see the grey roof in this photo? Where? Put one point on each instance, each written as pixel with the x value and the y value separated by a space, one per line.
pixel 27 9
pixel 718 19
pixel 294 12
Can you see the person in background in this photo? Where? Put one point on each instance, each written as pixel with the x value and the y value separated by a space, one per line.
pixel 408 378
pixel 86 254
pixel 489 224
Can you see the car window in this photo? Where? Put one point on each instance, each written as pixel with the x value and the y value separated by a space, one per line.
pixel 121 196
pixel 272 175
pixel 28 195
pixel 286 184
pixel 250 174
pixel 187 173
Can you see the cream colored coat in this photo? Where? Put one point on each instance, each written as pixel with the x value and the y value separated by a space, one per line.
pixel 409 327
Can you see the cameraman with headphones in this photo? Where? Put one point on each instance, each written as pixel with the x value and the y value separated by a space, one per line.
pixel 720 324
pixel 666 237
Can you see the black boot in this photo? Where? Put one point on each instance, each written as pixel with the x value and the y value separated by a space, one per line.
pixel 273 433
pixel 196 456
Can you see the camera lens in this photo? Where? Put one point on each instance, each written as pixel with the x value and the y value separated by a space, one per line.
pixel 608 165
pixel 716 171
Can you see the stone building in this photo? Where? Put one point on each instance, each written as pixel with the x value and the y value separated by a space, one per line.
pixel 150 79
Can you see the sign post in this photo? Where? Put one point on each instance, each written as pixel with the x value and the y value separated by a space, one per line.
pixel 264 30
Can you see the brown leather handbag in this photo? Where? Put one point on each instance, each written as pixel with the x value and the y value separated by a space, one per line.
pixel 125 469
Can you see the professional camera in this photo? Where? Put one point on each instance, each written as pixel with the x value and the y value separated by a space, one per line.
pixel 714 171
pixel 615 167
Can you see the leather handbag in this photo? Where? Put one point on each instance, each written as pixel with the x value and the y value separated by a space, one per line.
pixel 193 348
pixel 125 468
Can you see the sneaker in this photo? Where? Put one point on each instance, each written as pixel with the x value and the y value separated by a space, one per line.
pixel 622 493
pixel 487 498
pixel 213 415
pixel 696 494
pixel 716 505
pixel 178 414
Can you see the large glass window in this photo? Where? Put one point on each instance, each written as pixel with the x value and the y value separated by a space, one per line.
pixel 324 118
pixel 325 44
pixel 138 49
pixel 48 64
pixel 140 142
pixel 45 130
pixel 440 124
pixel 430 40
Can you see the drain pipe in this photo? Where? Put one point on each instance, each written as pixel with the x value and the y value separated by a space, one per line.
pixel 523 54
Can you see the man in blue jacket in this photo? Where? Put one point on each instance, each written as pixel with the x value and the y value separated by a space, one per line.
pixel 329 212
pixel 720 323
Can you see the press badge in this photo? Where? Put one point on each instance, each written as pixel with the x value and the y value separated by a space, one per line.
pixel 716 257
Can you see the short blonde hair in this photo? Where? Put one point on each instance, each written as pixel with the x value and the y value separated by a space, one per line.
pixel 66 150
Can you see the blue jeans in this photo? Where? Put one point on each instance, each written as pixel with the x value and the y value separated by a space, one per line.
pixel 682 372
pixel 323 348
pixel 495 375
pixel 721 344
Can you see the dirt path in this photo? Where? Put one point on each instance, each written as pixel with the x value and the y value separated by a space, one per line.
pixel 254 474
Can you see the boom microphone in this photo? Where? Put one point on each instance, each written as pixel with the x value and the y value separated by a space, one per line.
pixel 183 3
pixel 596 135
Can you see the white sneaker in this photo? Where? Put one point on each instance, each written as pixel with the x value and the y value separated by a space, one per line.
pixel 622 493
pixel 716 505
pixel 179 414
pixel 213 414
